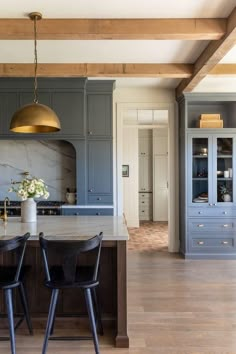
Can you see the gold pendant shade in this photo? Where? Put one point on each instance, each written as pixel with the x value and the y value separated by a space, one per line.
pixel 35 118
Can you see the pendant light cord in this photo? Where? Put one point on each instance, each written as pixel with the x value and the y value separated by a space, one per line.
pixel 35 63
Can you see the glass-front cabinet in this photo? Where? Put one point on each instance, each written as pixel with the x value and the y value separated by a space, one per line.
pixel 210 171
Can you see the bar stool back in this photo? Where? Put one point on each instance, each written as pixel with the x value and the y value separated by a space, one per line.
pixel 69 273
pixel 11 277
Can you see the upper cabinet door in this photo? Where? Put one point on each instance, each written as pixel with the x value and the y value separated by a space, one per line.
pixel 223 169
pixel 69 107
pixel 99 113
pixel 9 104
pixel 99 167
pixel 200 171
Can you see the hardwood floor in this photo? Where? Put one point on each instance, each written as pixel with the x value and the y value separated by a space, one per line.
pixel 174 307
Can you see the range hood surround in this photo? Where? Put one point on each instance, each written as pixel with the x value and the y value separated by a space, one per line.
pixel 52 160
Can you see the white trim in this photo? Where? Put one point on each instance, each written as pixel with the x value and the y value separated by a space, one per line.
pixel 173 234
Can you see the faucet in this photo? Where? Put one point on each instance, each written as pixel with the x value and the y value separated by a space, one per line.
pixel 6 202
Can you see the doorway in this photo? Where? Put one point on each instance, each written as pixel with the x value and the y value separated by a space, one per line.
pixel 128 126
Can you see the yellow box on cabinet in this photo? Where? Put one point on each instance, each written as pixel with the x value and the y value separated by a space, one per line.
pixel 211 123
pixel 206 116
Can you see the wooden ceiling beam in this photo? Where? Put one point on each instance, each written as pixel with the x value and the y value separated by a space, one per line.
pixel 223 69
pixel 55 29
pixel 97 70
pixel 211 56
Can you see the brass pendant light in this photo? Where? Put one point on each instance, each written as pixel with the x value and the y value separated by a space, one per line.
pixel 35 117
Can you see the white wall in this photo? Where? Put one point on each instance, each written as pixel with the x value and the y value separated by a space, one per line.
pixel 147 98
pixel 130 184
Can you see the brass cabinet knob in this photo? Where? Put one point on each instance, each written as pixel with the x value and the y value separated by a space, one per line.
pixel 200 242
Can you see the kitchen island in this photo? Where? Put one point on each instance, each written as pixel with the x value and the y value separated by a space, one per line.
pixel 113 269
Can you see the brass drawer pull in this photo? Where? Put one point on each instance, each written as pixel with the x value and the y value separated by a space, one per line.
pixel 225 225
pixel 200 242
pixel 200 225
pixel 224 212
pixel 225 242
pixel 200 212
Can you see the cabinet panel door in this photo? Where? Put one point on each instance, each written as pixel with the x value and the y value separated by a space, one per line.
pixel 99 167
pixel 9 104
pixel 145 174
pixel 28 98
pixel 200 157
pixel 145 146
pixel 160 188
pixel 223 177
pixel 69 106
pixel 160 145
pixel 99 110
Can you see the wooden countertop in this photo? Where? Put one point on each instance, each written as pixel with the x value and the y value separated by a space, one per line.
pixel 68 227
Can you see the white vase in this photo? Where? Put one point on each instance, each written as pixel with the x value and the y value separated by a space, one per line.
pixel 227 197
pixel 28 210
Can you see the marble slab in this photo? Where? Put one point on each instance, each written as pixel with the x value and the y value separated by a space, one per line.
pixel 68 227
pixel 53 161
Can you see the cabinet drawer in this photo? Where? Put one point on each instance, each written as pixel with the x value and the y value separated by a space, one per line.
pixel 212 211
pixel 145 208
pixel 87 211
pixel 214 244
pixel 144 202
pixel 145 196
pixel 100 199
pixel 202 226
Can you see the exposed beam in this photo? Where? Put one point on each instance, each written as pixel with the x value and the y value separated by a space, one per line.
pixel 211 56
pixel 223 69
pixel 189 29
pixel 98 70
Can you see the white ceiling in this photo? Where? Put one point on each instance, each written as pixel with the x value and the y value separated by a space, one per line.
pixel 117 9
pixel 102 51
pixel 117 51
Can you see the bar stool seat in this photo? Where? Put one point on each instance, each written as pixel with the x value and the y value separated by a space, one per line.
pixel 69 274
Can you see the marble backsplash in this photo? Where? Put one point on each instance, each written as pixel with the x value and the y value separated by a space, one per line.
pixel 53 161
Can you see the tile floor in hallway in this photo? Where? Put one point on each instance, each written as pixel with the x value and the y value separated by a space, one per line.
pixel 149 237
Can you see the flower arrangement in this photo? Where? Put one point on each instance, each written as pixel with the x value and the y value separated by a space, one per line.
pixel 30 188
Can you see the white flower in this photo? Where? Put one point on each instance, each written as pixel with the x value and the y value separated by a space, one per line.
pixel 30 188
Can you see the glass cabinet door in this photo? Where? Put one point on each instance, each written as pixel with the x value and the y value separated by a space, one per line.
pixel 224 169
pixel 200 163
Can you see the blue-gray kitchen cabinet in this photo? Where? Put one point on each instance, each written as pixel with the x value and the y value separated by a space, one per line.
pixel 207 218
pixel 99 108
pixel 99 173
pixel 65 96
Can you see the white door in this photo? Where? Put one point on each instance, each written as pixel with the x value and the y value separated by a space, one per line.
pixel 160 188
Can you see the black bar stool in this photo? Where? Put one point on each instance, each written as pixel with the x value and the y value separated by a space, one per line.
pixel 12 277
pixel 71 274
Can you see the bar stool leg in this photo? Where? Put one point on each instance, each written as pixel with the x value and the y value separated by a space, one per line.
pixel 9 306
pixel 98 310
pixel 51 314
pixel 89 303
pixel 25 307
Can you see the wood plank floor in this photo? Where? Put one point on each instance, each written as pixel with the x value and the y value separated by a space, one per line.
pixel 174 307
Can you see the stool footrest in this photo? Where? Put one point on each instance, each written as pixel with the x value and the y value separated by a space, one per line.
pixel 71 338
